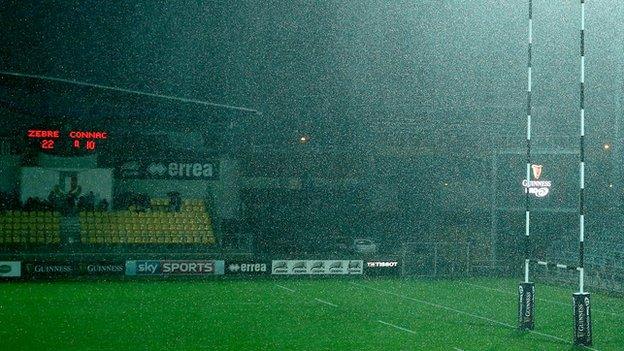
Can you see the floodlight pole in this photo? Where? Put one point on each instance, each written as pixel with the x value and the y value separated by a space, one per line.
pixel 582 311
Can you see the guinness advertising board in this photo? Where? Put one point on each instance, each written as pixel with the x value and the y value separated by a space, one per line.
pixel 102 268
pixel 49 269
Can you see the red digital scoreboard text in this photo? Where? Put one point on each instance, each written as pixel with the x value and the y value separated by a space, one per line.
pixel 86 140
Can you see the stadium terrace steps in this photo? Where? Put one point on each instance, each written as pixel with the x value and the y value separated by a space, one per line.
pixel 29 228
pixel 70 228
pixel 192 225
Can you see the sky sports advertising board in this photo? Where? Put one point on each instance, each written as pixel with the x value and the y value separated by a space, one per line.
pixel 318 267
pixel 174 267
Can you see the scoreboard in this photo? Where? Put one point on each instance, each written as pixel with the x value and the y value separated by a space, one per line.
pixel 50 139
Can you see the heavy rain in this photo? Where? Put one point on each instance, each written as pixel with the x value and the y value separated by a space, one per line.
pixel 311 175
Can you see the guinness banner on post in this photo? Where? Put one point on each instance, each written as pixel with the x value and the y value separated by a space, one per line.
pixel 526 306
pixel 175 169
pixel 582 319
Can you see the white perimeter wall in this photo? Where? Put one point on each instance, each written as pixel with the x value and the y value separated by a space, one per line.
pixel 38 182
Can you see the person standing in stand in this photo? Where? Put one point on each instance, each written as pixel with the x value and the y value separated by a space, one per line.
pixel 73 194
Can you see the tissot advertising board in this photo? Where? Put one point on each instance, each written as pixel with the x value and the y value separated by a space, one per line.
pixel 382 267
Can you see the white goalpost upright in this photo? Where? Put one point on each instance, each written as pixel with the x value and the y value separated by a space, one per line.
pixel 581 299
pixel 582 310
pixel 526 289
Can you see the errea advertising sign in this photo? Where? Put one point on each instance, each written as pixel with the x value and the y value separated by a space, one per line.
pixel 169 169
pixel 247 267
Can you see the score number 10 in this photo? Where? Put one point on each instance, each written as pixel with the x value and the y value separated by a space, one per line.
pixel 90 144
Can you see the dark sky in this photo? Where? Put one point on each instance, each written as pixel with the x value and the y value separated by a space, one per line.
pixel 341 70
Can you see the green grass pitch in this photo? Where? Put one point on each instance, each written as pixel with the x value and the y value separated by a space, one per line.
pixel 293 314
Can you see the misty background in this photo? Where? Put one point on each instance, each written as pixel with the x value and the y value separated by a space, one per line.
pixel 414 99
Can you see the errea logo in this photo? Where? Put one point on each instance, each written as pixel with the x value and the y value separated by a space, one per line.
pixel 248 268
pixel 157 169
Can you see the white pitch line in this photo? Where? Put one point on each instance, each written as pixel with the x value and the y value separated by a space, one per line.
pixel 539 299
pixel 326 302
pixel 457 349
pixel 396 326
pixel 285 288
pixel 464 313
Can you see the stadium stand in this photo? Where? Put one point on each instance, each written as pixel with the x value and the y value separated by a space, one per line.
pixel 37 227
pixel 604 260
pixel 192 225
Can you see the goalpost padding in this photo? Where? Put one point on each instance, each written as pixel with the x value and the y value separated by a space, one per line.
pixel 526 306
pixel 582 319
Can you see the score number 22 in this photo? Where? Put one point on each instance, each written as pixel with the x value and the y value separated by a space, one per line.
pixel 47 144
